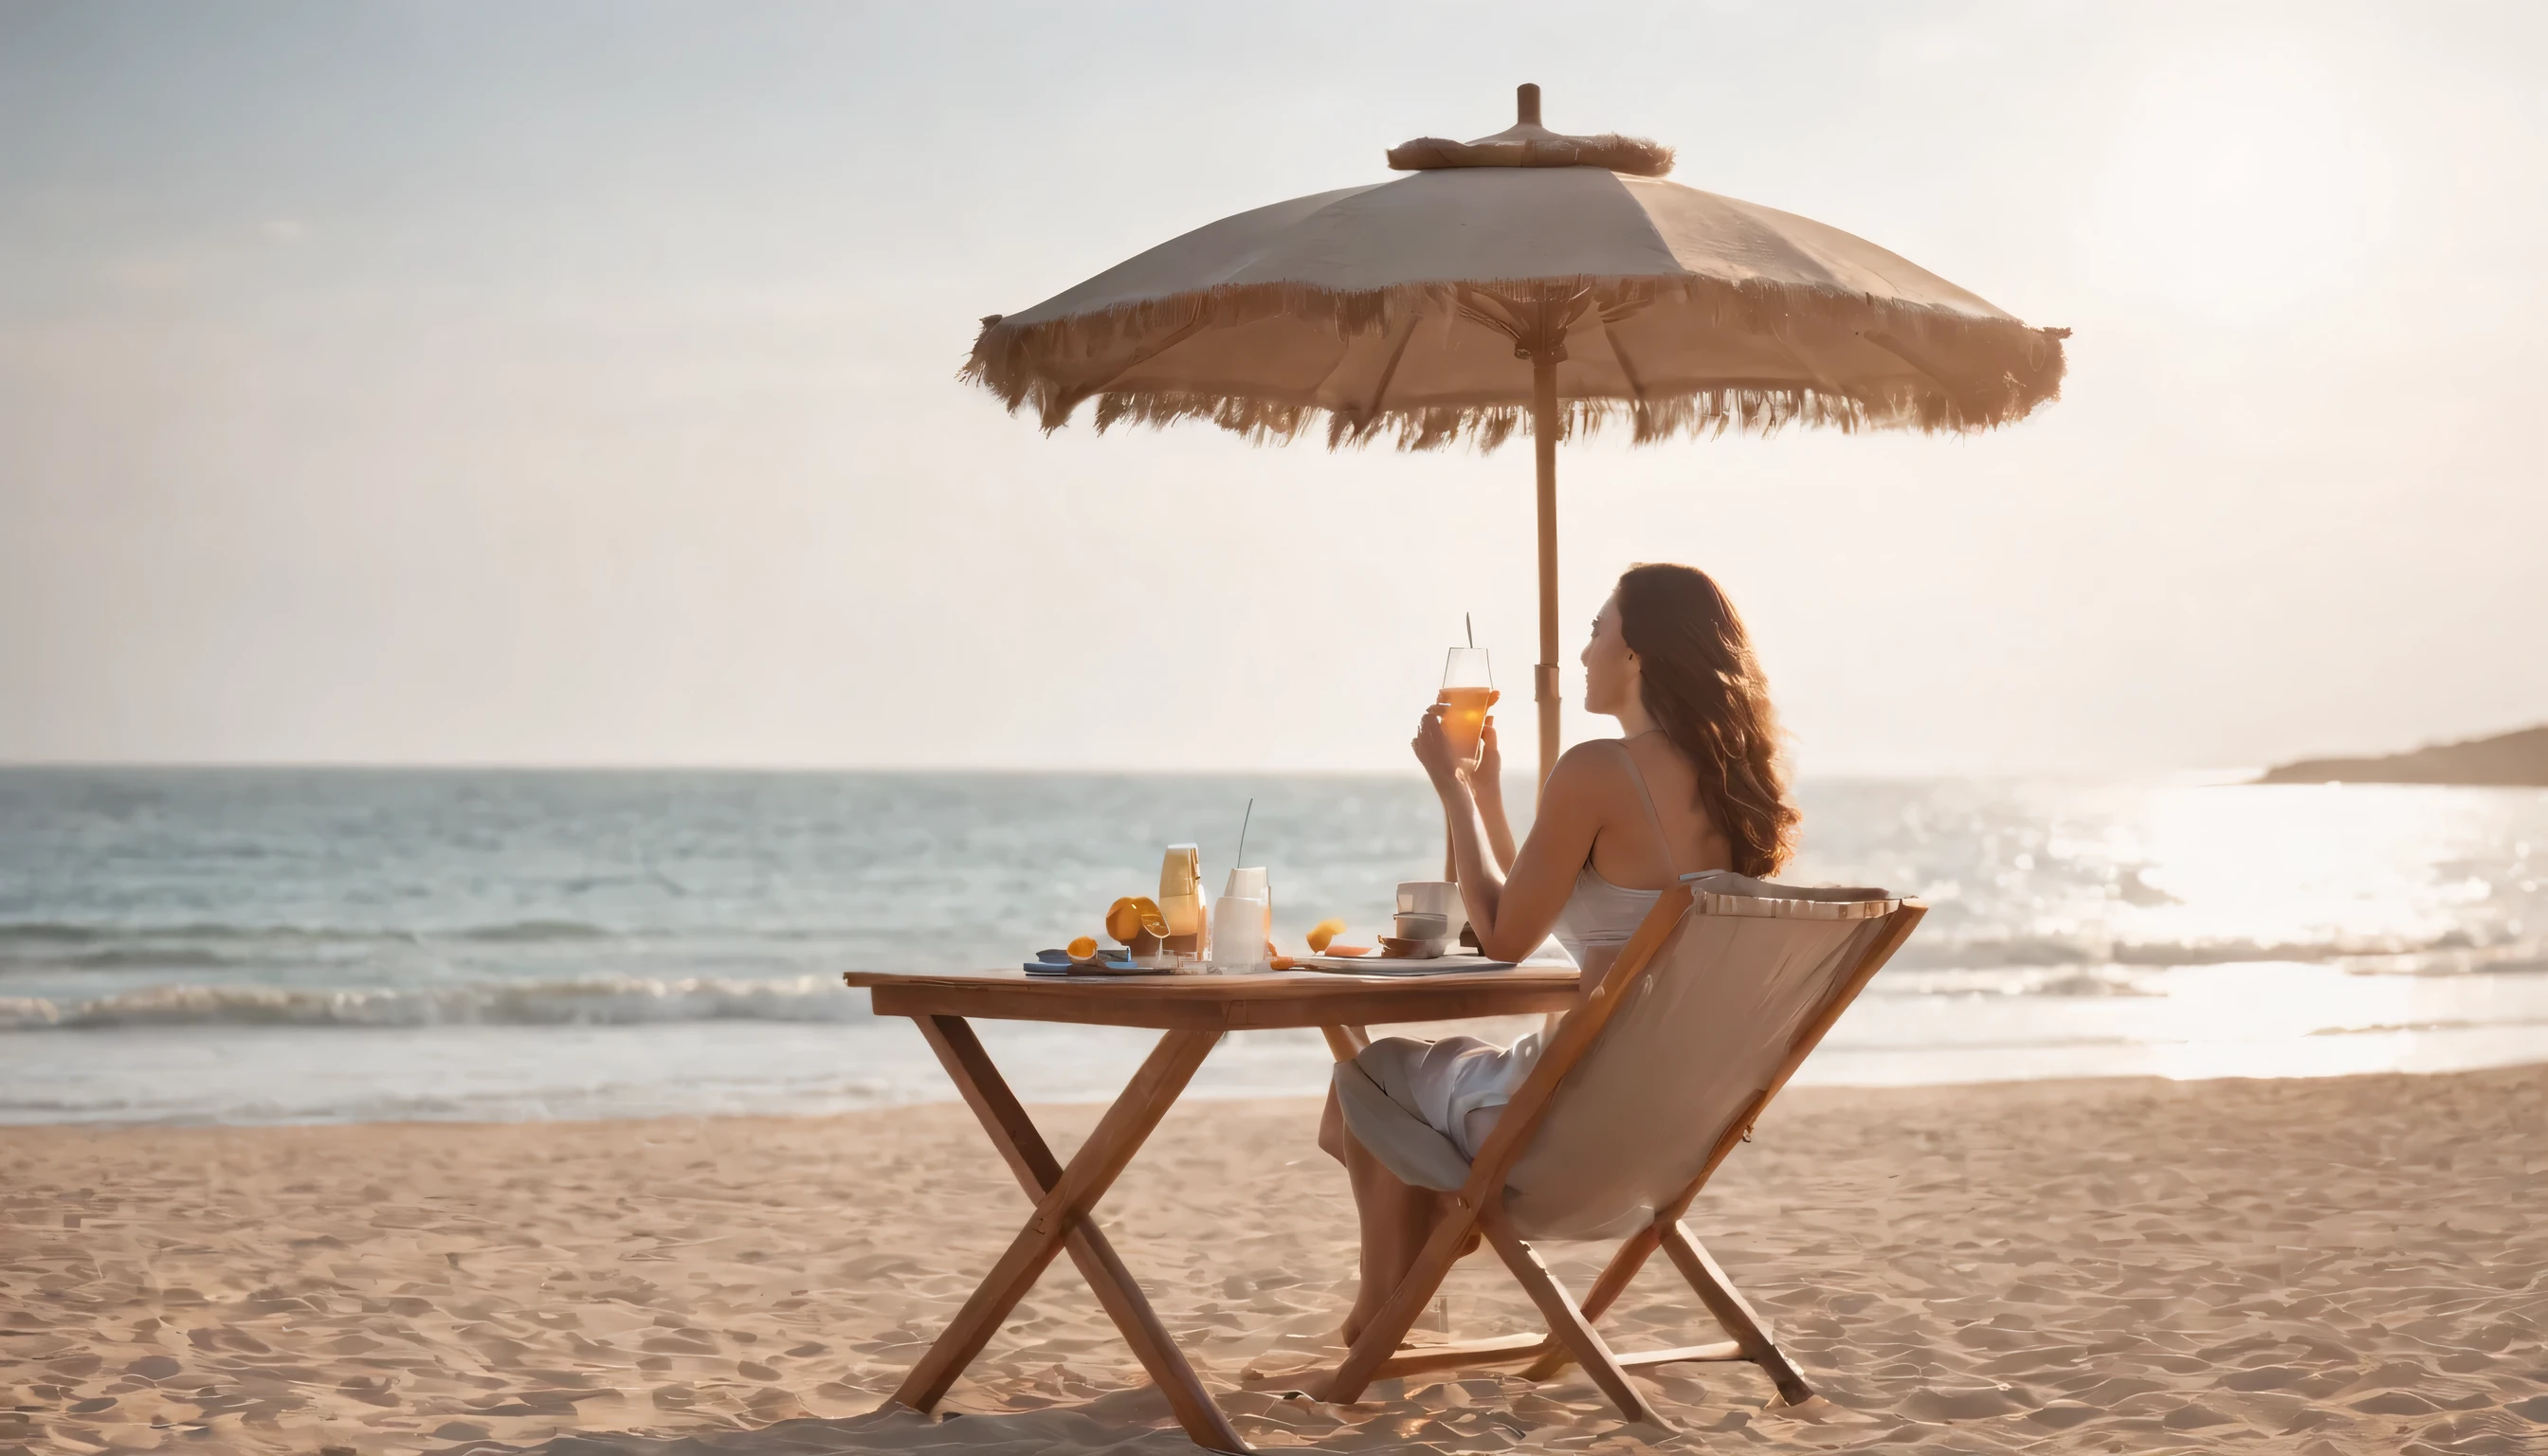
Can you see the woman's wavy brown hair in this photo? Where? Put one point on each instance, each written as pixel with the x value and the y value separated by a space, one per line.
pixel 1703 688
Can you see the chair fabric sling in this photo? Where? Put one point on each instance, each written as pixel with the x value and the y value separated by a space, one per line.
pixel 1621 1135
pixel 1703 1033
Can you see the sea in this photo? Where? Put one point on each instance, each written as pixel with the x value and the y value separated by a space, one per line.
pixel 332 946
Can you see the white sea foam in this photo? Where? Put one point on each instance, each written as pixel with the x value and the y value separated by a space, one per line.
pixel 585 1001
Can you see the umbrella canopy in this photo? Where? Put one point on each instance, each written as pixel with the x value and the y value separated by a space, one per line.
pixel 1526 275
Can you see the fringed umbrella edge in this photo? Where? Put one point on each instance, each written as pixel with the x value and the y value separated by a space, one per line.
pixel 1056 365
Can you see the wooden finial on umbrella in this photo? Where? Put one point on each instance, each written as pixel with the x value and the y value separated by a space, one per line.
pixel 1527 144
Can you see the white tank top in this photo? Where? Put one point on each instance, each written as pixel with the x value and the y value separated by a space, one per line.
pixel 1600 916
pixel 1447 1081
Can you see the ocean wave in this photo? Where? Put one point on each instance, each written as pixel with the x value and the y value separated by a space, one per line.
pixel 528 930
pixel 2526 961
pixel 1992 953
pixel 38 933
pixel 125 958
pixel 2448 1023
pixel 2002 980
pixel 89 933
pixel 2449 951
pixel 582 1001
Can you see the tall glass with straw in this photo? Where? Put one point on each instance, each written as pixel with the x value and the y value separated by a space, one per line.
pixel 1468 687
pixel 1242 919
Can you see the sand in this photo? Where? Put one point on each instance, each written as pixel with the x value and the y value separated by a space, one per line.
pixel 2344 1266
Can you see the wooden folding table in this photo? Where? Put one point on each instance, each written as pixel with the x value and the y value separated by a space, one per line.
pixel 1194 1011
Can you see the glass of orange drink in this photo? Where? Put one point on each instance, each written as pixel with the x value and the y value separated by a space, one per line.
pixel 1467 686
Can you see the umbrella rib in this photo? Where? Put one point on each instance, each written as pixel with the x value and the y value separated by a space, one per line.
pixel 1469 300
pixel 1815 378
pixel 1389 371
pixel 1348 411
pixel 1903 351
pixel 1141 356
pixel 1550 317
pixel 1628 366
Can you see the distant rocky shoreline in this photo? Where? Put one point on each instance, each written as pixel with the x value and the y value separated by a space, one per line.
pixel 2510 760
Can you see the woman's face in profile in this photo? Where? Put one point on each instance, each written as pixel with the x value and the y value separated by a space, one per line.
pixel 1609 670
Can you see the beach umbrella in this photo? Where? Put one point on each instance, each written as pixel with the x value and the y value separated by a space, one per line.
pixel 1524 276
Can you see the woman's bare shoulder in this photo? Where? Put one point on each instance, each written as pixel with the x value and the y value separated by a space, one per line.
pixel 1588 772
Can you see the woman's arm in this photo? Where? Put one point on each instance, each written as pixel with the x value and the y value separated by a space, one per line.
pixel 1487 786
pixel 1513 913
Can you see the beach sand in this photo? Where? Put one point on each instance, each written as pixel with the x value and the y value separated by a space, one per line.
pixel 2344 1266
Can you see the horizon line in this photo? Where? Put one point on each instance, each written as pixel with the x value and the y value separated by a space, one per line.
pixel 2219 774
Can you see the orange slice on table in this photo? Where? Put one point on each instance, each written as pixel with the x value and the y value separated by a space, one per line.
pixel 1323 933
pixel 1082 948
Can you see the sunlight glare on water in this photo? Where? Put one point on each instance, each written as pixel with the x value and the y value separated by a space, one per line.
pixel 2373 869
pixel 2200 931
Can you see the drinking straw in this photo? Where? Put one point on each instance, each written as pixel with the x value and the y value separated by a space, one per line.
pixel 1243 831
pixel 1472 626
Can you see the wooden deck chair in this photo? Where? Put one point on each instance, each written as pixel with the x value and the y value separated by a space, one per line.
pixel 1641 1093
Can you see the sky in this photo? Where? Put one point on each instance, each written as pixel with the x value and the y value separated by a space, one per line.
pixel 574 384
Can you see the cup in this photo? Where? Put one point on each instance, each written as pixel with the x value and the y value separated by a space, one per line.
pixel 1434 897
pixel 1252 885
pixel 1238 934
pixel 1421 925
pixel 1467 683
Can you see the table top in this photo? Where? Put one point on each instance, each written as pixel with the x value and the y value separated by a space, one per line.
pixel 1280 998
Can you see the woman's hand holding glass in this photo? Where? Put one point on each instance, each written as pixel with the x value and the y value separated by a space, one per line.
pixel 1441 757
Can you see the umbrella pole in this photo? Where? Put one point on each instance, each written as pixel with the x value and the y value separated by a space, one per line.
pixel 1543 430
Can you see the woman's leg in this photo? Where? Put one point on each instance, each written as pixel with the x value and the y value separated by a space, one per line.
pixel 1387 1208
pixel 1397 1219
pixel 1396 1216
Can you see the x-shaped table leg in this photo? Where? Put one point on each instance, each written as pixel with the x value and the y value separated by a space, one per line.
pixel 1063 1198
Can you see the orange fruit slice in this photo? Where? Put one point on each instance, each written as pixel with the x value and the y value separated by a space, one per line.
pixel 1323 933
pixel 1130 916
pixel 1082 948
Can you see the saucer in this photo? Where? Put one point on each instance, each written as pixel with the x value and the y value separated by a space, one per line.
pixel 1400 949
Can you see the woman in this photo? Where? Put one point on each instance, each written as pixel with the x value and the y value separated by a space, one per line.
pixel 1691 784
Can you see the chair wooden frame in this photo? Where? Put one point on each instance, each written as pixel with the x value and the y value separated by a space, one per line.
pixel 1479 1207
